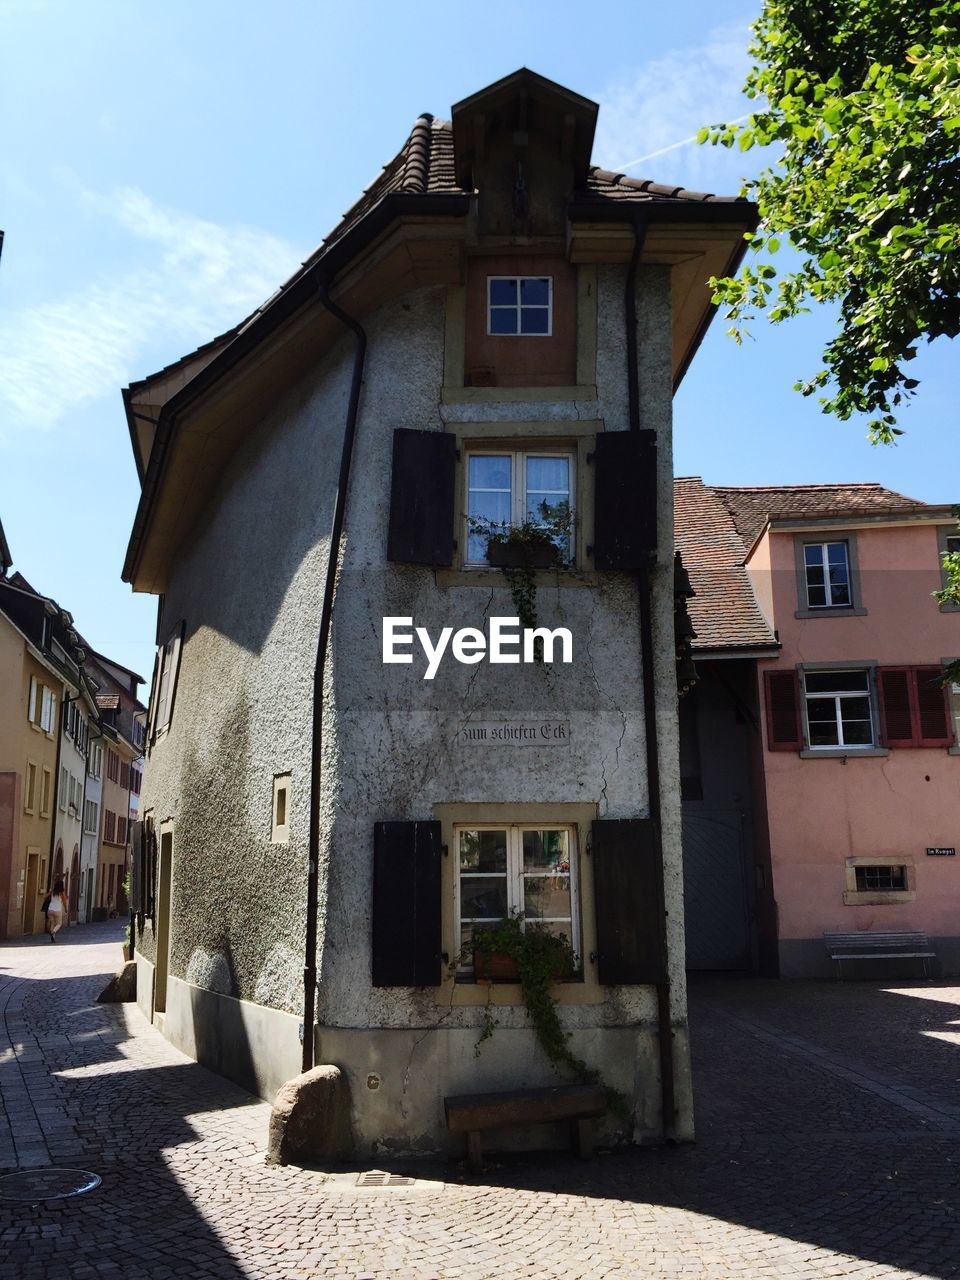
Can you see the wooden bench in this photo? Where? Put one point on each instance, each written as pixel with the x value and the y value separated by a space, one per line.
pixel 578 1104
pixel 903 944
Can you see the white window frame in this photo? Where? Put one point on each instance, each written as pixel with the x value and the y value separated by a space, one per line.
pixel 518 307
pixel 515 876
pixel 91 815
pixel 837 696
pixel 63 789
pixel 518 491
pixel 823 547
pixel 48 709
pixel 280 830
pixel 95 760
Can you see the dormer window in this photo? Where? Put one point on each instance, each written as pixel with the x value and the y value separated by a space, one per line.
pixel 520 306
pixel 828 575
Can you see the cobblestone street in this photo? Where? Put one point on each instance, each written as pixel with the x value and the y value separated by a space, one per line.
pixel 828 1118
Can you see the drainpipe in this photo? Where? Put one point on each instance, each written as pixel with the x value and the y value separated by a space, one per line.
pixel 319 671
pixel 665 1030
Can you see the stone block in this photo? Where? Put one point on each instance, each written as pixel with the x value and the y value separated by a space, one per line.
pixel 310 1121
pixel 122 987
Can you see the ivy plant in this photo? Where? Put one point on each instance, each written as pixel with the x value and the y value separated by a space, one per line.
pixel 552 528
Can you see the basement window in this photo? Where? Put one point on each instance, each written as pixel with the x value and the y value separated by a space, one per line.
pixel 878 879
pixel 281 809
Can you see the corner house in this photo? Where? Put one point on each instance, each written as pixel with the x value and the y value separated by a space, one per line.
pixel 488 343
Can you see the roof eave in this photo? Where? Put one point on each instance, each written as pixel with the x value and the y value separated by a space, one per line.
pixel 301 293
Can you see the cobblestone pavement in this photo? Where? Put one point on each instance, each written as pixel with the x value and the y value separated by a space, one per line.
pixel 828 1118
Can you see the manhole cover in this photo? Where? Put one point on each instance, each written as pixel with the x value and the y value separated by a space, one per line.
pixel 47 1184
pixel 377 1178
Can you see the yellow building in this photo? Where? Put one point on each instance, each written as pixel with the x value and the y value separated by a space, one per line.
pixel 30 694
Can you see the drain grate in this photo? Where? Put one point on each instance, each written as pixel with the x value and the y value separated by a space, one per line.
pixel 30 1185
pixel 377 1178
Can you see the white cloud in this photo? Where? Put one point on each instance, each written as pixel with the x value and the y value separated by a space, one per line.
pixel 666 101
pixel 60 354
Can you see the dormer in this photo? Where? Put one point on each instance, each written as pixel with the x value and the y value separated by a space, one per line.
pixel 524 145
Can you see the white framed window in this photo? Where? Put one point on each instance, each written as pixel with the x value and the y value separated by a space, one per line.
pixel 48 709
pixel 827 574
pixel 838 707
pixel 520 306
pixel 32 703
pixel 509 487
pixel 95 760
pixel 63 788
pixel 517 869
pixel 91 815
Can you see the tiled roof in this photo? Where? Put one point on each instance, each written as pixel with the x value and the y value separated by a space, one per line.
pixel 724 612
pixel 424 165
pixel 752 507
pixel 108 701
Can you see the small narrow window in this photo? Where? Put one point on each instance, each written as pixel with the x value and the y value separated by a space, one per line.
pixel 30 788
pixel 281 809
pixel 45 783
pixel 520 306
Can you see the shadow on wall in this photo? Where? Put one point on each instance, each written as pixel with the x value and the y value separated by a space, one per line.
pixel 237 899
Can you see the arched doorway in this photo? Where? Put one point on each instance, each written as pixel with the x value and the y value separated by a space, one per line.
pixel 75 885
pixel 57 866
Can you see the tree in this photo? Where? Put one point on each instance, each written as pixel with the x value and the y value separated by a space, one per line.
pixel 863 98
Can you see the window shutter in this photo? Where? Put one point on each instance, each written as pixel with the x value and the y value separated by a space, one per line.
pixel 421 497
pixel 933 708
pixel 625 499
pixel 32 710
pixel 406 904
pixel 897 718
pixel 167 711
pixel 782 695
pixel 625 879
pixel 136 867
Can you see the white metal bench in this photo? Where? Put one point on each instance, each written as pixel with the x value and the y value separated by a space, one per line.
pixel 901 944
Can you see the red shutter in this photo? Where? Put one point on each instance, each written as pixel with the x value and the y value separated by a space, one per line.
pixel 933 709
pixel 782 689
pixel 897 715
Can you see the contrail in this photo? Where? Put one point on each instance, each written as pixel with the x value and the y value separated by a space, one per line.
pixel 675 146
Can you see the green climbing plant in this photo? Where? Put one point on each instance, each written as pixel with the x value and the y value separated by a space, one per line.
pixel 542 959
pixel 518 550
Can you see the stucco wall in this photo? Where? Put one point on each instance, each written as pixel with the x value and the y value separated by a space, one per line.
pixel 249 584
pixel 822 811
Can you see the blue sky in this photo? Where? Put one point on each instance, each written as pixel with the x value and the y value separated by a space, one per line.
pixel 164 167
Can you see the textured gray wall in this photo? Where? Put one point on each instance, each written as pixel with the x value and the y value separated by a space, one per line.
pixel 249 583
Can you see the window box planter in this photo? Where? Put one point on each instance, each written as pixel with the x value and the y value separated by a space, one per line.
pixel 495 966
pixel 518 553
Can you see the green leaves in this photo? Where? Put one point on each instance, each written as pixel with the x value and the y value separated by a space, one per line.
pixel 865 107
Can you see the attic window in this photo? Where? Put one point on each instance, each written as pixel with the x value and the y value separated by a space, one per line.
pixel 520 306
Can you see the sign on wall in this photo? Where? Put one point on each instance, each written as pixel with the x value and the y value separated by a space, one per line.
pixel 941 851
pixel 514 733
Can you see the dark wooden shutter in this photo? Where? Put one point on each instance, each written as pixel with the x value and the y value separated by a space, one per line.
pixel 933 708
pixel 897 717
pixel 406 904
pixel 625 499
pixel 136 867
pixel 626 893
pixel 421 497
pixel 782 696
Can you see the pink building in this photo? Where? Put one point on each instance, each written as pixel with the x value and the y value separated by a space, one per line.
pixel 821 766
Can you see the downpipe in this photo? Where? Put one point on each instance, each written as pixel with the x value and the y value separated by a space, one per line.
pixel 320 667
pixel 664 1021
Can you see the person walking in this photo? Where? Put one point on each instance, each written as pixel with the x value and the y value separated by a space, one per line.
pixel 56 909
